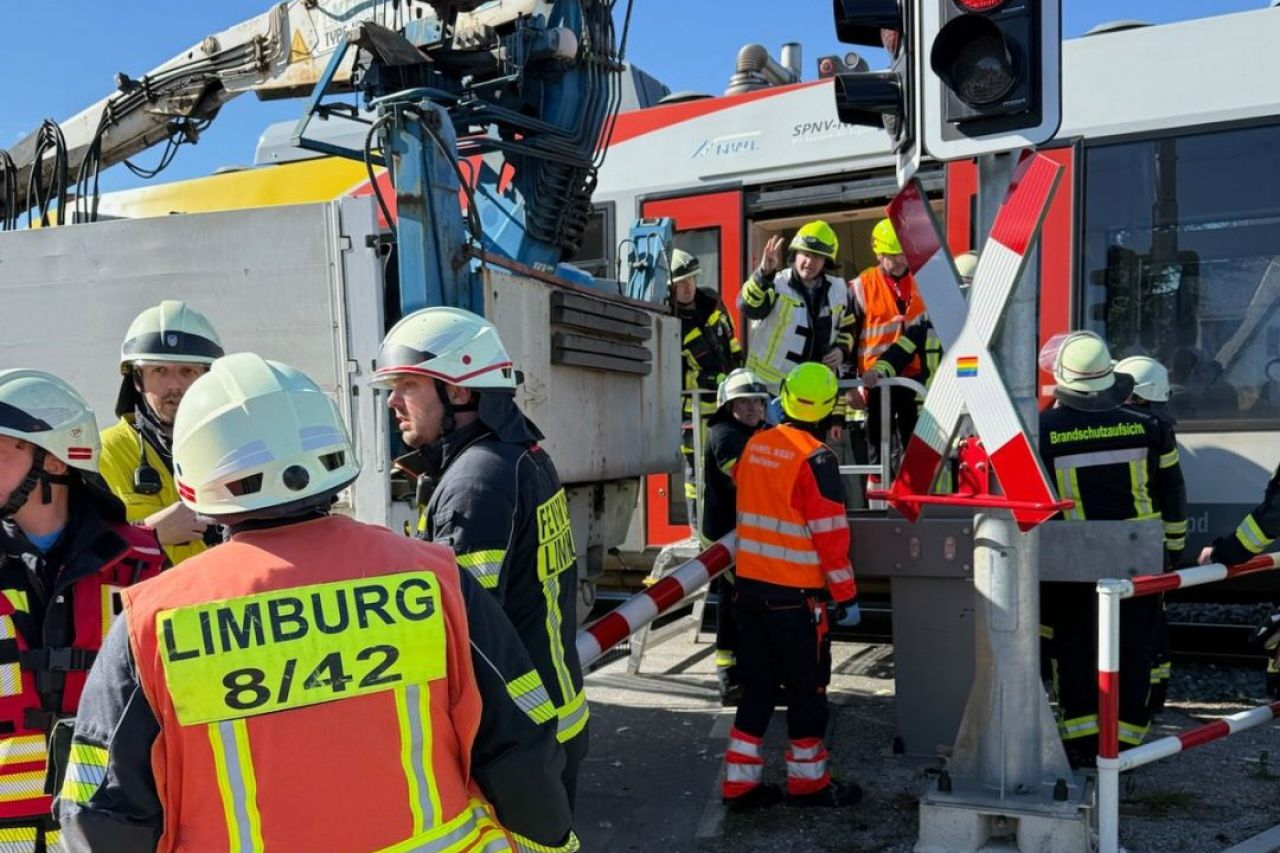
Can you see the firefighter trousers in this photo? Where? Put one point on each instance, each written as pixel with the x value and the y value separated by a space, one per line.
pixel 1071 611
pixel 903 413
pixel 726 633
pixel 783 644
pixel 575 749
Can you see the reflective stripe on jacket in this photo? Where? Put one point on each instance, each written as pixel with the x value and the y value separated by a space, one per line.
pixel 790 533
pixel 884 342
pixel 1117 465
pixel 254 655
pixel 500 506
pixel 28 668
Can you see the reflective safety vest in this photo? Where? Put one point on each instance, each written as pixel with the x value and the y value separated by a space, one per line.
pixel 776 342
pixel 25 673
pixel 884 319
pixel 315 691
pixel 777 542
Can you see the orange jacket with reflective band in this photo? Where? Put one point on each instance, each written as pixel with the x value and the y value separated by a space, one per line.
pixel 789 533
pixel 362 768
pixel 23 750
pixel 883 318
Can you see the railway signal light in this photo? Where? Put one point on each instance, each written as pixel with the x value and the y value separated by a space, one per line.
pixel 992 74
pixel 882 98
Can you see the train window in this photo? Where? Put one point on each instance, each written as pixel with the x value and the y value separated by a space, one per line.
pixel 704 244
pixel 1182 262
pixel 597 253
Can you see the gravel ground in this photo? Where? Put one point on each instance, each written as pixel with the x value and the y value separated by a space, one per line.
pixel 1206 799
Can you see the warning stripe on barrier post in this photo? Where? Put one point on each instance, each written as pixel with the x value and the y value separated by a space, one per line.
pixel 643 607
pixel 1112 762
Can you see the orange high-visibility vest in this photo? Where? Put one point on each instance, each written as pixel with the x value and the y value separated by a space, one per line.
pixel 314 689
pixel 883 319
pixel 777 543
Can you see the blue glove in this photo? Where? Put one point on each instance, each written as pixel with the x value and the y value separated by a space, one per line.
pixel 773 414
pixel 848 615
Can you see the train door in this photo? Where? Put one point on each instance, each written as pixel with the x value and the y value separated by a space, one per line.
pixel 709 225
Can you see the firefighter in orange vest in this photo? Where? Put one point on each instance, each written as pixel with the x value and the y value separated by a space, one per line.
pixel 793 560
pixel 65 552
pixel 313 683
pixel 890 329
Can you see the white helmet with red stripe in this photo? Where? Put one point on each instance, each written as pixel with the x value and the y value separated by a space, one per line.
pixel 42 409
pixel 448 344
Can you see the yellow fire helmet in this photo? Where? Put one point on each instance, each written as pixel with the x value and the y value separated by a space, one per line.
pixel 884 239
pixel 809 392
pixel 817 238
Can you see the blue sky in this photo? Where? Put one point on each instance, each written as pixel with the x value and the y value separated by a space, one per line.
pixel 690 44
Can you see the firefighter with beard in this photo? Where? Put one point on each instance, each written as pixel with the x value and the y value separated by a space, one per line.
pixel 1118 464
pixel 488 490
pixel 740 405
pixel 166 348
pixel 66 552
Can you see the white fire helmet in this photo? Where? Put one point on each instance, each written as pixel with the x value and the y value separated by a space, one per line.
pixel 42 409
pixel 1150 377
pixel 254 435
pixel 449 344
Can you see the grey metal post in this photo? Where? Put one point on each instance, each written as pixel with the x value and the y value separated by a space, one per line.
pixel 1007 742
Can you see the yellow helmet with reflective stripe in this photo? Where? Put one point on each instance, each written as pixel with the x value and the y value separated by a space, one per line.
pixel 884 240
pixel 817 238
pixel 809 392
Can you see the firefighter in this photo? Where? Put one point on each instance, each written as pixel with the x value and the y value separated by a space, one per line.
pixel 66 550
pixel 793 559
pixel 710 352
pixel 1116 463
pixel 890 327
pixel 799 314
pixel 1151 395
pixel 166 348
pixel 1256 533
pixel 357 693
pixel 489 491
pixel 740 405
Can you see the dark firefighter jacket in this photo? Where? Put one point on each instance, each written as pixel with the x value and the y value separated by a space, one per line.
pixel 499 505
pixel 1117 465
pixel 513 759
pixel 1259 529
pixel 710 349
pixel 725 443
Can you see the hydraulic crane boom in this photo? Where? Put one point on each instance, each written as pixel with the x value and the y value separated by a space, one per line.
pixel 278 54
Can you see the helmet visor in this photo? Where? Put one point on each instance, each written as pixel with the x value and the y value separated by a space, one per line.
pixel 810 243
pixel 170 346
pixel 15 419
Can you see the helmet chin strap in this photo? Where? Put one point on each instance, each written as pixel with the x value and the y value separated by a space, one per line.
pixel 36 474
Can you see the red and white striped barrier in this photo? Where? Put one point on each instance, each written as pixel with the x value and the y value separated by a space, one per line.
pixel 1111 762
pixel 643 607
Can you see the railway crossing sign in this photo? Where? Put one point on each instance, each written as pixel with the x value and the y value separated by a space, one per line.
pixel 968 379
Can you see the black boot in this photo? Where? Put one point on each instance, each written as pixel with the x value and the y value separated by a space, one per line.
pixel 760 797
pixel 837 795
